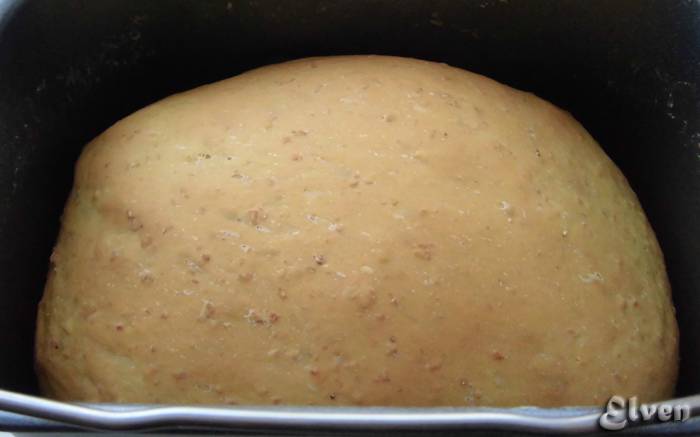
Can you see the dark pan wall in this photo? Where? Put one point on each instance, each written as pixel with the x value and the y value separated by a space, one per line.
pixel 629 70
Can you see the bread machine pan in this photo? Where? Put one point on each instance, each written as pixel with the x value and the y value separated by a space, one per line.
pixel 629 70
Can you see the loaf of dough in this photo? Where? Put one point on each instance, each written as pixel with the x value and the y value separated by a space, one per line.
pixel 359 230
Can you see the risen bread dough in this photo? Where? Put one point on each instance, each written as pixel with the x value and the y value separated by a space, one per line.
pixel 354 230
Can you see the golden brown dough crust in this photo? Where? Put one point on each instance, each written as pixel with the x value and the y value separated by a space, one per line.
pixel 354 230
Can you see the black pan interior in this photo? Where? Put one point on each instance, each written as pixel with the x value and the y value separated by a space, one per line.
pixel 629 70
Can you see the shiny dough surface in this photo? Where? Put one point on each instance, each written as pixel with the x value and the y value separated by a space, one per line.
pixel 359 230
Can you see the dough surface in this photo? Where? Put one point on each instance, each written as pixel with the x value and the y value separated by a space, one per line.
pixel 358 230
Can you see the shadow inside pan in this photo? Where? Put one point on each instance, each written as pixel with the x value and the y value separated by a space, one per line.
pixel 628 70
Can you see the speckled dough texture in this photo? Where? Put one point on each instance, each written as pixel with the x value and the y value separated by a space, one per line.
pixel 357 230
